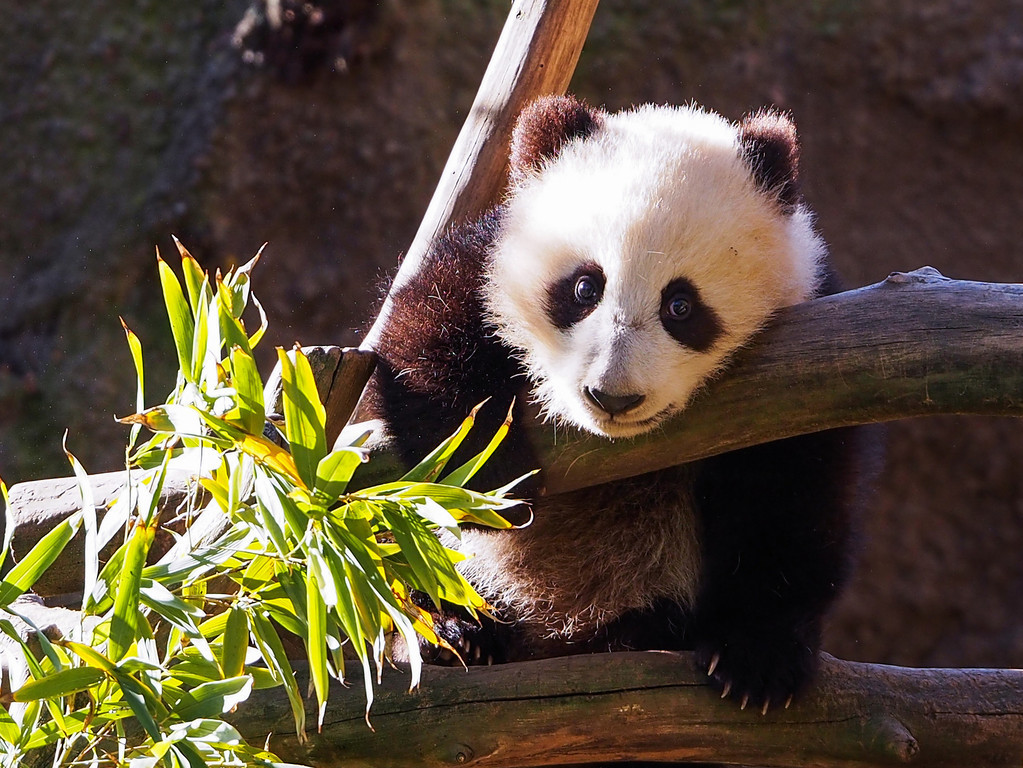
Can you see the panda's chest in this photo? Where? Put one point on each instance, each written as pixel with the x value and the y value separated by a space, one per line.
pixel 590 555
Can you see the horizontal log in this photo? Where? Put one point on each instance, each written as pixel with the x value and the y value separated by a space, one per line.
pixel 657 707
pixel 914 344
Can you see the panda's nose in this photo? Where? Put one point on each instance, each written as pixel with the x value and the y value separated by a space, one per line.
pixel 613 405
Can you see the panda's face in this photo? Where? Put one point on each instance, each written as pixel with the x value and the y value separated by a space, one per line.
pixel 635 263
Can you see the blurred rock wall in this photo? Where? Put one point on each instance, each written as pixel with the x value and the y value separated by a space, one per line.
pixel 135 120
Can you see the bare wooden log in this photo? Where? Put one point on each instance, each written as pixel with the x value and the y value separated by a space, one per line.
pixel 658 707
pixel 535 56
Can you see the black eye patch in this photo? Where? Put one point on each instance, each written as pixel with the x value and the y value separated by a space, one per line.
pixel 684 316
pixel 574 296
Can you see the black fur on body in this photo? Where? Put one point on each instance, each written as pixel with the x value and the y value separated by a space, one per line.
pixel 773 524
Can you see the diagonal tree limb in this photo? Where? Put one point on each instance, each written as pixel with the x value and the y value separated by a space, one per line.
pixel 535 56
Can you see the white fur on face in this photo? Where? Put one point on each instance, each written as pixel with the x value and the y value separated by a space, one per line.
pixel 656 194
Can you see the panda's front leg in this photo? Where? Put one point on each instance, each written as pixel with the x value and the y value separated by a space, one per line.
pixel 777 537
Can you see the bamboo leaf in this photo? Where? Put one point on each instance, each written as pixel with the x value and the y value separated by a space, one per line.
pixel 248 387
pixel 89 655
pixel 273 653
pixel 235 642
pixel 231 304
pixel 213 698
pixel 9 523
pixel 180 315
pixel 141 701
pixel 335 470
pixel 91 565
pixel 58 684
pixel 258 447
pixel 464 473
pixel 135 347
pixel 304 416
pixel 25 573
pixel 10 733
pixel 194 275
pixel 123 630
pixel 316 641
pixel 430 467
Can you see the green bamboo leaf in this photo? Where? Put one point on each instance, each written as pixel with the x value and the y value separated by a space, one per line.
pixel 91 565
pixel 213 698
pixel 58 684
pixel 316 641
pixel 187 753
pixel 263 323
pixel 123 624
pixel 276 658
pixel 89 655
pixel 423 551
pixel 169 606
pixel 25 573
pixel 235 642
pixel 430 467
pixel 142 701
pixel 304 416
pixel 335 470
pixel 248 387
pixel 230 305
pixel 206 345
pixel 180 316
pixel 9 523
pixel 464 473
pixel 10 733
pixel 135 347
pixel 194 276
pixel 278 514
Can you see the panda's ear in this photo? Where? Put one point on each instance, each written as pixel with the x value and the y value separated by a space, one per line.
pixel 768 143
pixel 545 126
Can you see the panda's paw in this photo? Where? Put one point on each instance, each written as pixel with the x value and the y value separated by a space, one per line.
pixel 757 672
pixel 464 642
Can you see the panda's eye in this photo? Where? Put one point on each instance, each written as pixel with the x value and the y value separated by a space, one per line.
pixel 587 290
pixel 679 306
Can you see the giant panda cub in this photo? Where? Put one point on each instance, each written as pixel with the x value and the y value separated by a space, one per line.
pixel 634 253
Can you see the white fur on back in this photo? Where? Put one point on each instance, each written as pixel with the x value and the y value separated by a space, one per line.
pixel 655 194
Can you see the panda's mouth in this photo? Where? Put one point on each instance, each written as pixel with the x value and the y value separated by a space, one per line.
pixel 622 426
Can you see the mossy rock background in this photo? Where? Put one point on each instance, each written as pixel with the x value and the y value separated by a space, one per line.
pixel 126 122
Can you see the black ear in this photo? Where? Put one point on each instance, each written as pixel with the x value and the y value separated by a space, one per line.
pixel 770 148
pixel 545 126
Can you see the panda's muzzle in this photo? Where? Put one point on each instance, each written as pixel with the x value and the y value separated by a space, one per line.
pixel 613 405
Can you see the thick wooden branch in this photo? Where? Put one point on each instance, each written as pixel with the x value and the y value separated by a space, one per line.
pixel 914 344
pixel 535 56
pixel 658 707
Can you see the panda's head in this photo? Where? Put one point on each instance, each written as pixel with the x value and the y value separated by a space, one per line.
pixel 640 249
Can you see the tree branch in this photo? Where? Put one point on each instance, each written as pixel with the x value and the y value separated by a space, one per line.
pixel 658 707
pixel 535 56
pixel 914 344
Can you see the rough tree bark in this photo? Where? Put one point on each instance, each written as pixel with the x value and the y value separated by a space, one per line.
pixel 658 707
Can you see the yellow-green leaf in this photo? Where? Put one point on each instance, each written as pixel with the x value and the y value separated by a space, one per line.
pixel 25 573
pixel 235 642
pixel 248 387
pixel 304 416
pixel 57 684
pixel 123 630
pixel 180 315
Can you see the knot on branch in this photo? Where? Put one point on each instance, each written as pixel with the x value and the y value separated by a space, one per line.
pixel 921 275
